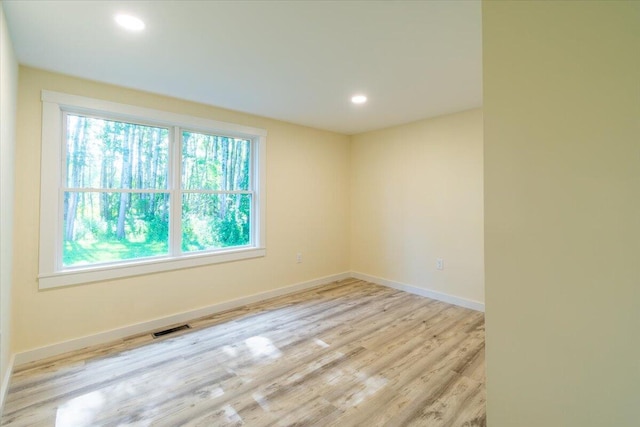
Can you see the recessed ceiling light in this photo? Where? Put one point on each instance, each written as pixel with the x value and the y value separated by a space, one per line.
pixel 358 99
pixel 129 22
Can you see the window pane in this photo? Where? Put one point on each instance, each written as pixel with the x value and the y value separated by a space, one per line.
pixel 212 162
pixel 212 221
pixel 109 154
pixel 107 227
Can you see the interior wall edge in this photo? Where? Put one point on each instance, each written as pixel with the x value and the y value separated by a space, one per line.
pixel 9 75
pixel 5 382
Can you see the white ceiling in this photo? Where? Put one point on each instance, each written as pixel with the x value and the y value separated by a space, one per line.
pixel 298 61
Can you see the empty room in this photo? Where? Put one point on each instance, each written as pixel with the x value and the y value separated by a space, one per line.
pixel 322 213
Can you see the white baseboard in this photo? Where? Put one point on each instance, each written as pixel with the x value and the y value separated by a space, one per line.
pixel 5 383
pixel 451 299
pixel 156 324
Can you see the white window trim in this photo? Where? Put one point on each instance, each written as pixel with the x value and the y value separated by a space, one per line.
pixel 53 105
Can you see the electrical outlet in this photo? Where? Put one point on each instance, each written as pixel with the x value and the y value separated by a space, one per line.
pixel 439 264
pixel 299 258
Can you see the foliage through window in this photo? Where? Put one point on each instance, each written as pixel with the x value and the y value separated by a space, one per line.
pixel 117 197
pixel 141 189
pixel 216 196
pixel 116 201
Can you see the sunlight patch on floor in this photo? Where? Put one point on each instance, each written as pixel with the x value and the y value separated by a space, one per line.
pixel 80 411
pixel 262 347
pixel 261 400
pixel 321 343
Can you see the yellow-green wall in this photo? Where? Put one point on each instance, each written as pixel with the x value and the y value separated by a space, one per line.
pixel 562 212
pixel 307 211
pixel 416 195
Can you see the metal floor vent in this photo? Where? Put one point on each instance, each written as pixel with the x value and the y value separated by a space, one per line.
pixel 170 331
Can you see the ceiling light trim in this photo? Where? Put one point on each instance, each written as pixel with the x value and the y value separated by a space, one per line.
pixel 359 99
pixel 129 22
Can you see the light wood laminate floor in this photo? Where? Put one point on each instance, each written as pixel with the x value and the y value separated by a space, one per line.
pixel 349 353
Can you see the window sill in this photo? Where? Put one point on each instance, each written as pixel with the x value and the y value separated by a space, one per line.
pixel 137 268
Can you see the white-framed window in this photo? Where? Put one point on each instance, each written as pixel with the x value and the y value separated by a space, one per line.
pixel 127 190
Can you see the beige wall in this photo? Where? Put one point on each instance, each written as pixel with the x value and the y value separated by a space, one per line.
pixel 417 195
pixel 8 98
pixel 562 209
pixel 307 211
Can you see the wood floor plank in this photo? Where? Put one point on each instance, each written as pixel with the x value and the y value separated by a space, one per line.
pixel 177 346
pixel 346 353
